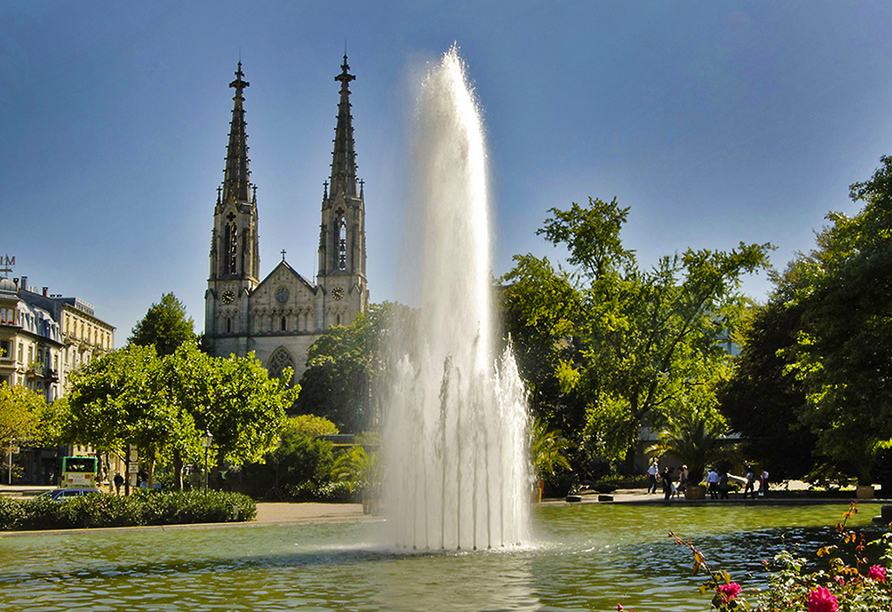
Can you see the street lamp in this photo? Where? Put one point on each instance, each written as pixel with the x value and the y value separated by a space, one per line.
pixel 206 440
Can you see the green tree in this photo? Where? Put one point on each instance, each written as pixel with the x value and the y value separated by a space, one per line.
pixel 344 365
pixel 248 411
pixel 19 407
pixel 548 450
pixel 695 435
pixel 164 406
pixel 843 351
pixel 113 399
pixel 763 398
pixel 625 342
pixel 165 326
pixel 301 457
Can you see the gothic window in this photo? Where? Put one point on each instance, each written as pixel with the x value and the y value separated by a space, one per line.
pixel 278 361
pixel 228 326
pixel 342 244
pixel 230 249
pixel 283 324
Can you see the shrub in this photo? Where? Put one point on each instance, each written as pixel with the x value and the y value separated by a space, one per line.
pixel 11 514
pixel 141 508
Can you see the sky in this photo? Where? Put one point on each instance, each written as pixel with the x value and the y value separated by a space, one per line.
pixel 715 122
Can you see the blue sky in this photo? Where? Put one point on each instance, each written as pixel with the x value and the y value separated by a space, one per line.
pixel 717 122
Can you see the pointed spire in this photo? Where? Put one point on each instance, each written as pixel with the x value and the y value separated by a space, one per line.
pixel 343 164
pixel 236 176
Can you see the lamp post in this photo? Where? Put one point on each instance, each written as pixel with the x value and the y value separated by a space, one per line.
pixel 206 440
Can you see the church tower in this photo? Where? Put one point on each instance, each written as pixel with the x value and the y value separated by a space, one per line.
pixel 235 251
pixel 279 316
pixel 342 251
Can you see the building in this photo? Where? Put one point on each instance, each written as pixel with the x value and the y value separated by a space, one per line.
pixel 31 344
pixel 280 316
pixel 44 337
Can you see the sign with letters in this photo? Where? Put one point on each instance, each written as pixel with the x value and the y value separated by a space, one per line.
pixel 6 263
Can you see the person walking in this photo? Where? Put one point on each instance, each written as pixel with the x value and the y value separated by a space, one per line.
pixel 682 480
pixel 653 473
pixel 763 484
pixel 668 485
pixel 119 481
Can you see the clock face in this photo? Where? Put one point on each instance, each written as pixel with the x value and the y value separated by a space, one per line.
pixel 228 297
pixel 337 293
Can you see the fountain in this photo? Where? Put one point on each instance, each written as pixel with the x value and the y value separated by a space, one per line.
pixel 457 472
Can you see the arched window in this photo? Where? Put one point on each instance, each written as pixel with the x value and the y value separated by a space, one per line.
pixel 278 361
pixel 284 324
pixel 230 249
pixel 342 244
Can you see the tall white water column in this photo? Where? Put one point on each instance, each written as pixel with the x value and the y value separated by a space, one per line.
pixel 457 470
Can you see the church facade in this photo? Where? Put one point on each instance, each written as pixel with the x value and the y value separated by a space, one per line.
pixel 278 317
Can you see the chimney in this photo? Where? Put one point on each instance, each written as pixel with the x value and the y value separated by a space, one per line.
pixel 24 283
pixel 46 291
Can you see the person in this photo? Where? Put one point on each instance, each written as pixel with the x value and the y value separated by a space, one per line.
pixel 652 473
pixel 668 485
pixel 712 479
pixel 682 480
pixel 750 482
pixel 119 482
pixel 723 485
pixel 763 484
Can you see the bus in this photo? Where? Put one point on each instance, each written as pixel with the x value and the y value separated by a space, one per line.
pixel 79 472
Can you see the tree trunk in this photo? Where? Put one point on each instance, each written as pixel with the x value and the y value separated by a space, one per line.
pixel 177 470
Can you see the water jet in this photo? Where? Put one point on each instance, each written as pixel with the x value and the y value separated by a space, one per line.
pixel 457 473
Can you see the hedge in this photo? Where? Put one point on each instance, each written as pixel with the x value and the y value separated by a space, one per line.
pixel 141 508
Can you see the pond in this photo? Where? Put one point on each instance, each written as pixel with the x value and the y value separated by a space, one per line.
pixel 589 557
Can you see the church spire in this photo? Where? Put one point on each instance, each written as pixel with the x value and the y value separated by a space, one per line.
pixel 236 176
pixel 343 164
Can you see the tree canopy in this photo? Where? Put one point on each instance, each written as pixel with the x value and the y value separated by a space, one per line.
pixel 828 336
pixel 165 405
pixel 612 346
pixel 165 326
pixel 344 365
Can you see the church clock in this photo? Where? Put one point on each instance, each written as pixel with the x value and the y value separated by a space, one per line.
pixel 228 297
pixel 337 293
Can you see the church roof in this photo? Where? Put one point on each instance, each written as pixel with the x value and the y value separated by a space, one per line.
pixel 283 265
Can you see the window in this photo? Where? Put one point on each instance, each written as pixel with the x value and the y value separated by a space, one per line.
pixel 230 249
pixel 6 349
pixel 284 324
pixel 342 244
pixel 278 361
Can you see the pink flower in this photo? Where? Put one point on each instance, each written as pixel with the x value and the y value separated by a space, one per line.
pixel 729 591
pixel 877 572
pixel 840 580
pixel 822 600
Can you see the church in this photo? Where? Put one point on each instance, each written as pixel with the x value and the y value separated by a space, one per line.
pixel 280 316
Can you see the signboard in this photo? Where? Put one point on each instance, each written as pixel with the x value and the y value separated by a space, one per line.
pixel 6 264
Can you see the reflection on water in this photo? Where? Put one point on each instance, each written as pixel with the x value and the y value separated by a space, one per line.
pixel 586 558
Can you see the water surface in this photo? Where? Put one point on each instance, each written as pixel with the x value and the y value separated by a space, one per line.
pixel 584 558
